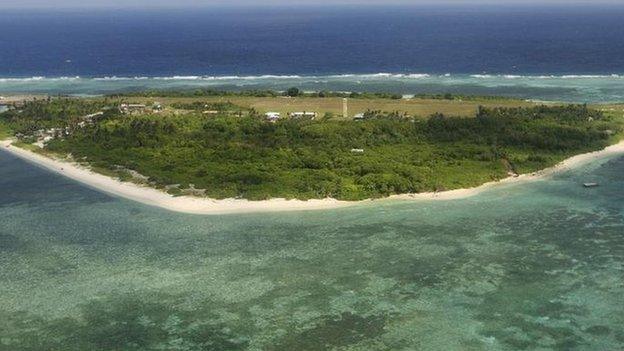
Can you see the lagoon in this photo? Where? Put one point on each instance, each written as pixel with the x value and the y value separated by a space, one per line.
pixel 521 266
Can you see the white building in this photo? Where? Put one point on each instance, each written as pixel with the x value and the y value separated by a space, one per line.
pixel 272 116
pixel 310 115
pixel 93 116
pixel 129 108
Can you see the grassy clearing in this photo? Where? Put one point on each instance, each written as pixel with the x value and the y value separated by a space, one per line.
pixel 415 107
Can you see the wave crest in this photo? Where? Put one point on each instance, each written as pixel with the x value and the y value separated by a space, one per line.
pixel 316 78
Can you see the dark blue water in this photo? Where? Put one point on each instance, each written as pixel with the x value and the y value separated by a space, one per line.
pixel 313 41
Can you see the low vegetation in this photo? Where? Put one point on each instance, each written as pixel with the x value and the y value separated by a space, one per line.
pixel 295 92
pixel 241 155
pixel 5 132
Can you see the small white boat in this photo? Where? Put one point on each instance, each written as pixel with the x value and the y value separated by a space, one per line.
pixel 590 185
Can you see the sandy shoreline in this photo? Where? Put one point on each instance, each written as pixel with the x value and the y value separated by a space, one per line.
pixel 194 205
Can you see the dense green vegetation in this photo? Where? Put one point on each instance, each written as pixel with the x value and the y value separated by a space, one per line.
pixel 52 113
pixel 243 155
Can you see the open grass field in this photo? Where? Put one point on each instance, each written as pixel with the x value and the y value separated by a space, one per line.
pixel 417 107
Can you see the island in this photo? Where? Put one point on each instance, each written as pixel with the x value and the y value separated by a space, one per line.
pixel 299 150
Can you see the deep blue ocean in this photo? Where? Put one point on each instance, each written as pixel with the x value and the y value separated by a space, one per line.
pixel 555 53
pixel 313 41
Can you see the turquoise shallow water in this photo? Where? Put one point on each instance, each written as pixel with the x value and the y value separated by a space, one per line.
pixel 538 266
pixel 570 88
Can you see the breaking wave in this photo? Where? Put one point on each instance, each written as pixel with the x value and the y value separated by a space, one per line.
pixel 567 76
pixel 348 76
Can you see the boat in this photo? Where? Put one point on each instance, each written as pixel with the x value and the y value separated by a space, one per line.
pixel 590 185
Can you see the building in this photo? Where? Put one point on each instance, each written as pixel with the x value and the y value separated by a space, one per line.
pixel 93 117
pixel 45 135
pixel 130 108
pixel 310 115
pixel 272 116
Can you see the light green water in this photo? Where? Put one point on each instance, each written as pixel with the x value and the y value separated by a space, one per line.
pixel 538 266
pixel 571 88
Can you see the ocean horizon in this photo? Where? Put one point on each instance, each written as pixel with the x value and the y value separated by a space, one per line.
pixel 561 53
pixel 332 40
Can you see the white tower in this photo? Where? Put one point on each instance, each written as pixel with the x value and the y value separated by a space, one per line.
pixel 345 108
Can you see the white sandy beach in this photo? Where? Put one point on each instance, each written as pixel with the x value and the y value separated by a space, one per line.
pixel 196 205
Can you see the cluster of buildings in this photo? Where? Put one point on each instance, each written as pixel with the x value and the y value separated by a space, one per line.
pixel 274 116
pixel 45 135
pixel 132 108
pixel 140 108
pixel 90 119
